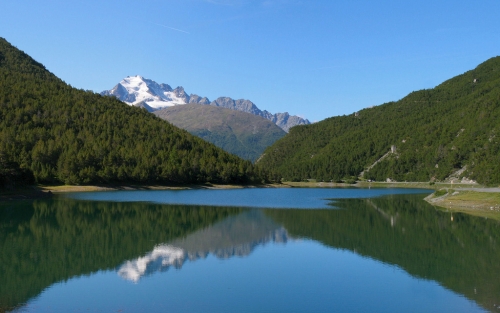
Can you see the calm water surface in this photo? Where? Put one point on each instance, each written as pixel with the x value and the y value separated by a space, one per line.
pixel 247 250
pixel 299 198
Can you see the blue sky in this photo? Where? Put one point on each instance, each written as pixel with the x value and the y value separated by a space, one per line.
pixel 311 58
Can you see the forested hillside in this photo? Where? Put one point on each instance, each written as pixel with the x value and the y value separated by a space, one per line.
pixel 55 133
pixel 435 132
pixel 240 133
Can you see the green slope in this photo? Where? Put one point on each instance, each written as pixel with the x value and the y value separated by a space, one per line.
pixel 64 135
pixel 240 133
pixel 435 132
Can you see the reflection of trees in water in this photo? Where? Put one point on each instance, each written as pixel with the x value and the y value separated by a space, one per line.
pixel 461 254
pixel 46 241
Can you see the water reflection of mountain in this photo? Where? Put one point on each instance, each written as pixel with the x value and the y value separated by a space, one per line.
pixel 46 241
pixel 237 235
pixel 460 253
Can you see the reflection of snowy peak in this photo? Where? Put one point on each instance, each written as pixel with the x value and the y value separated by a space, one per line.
pixel 143 92
pixel 162 256
pixel 236 236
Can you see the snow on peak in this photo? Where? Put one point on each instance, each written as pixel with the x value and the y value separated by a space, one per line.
pixel 140 91
pixel 137 89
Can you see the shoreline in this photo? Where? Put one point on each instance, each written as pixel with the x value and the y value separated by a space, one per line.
pixel 92 188
pixel 48 191
pixel 484 202
pixel 24 193
pixel 365 184
pixel 38 189
pixel 472 199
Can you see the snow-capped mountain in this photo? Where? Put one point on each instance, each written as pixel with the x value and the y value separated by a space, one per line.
pixel 136 89
pixel 146 93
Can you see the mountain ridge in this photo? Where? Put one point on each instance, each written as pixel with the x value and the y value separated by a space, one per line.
pixel 137 90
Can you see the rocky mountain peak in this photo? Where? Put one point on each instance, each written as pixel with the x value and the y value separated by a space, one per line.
pixel 146 93
pixel 199 100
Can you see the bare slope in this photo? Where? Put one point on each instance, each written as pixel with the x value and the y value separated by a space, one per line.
pixel 240 133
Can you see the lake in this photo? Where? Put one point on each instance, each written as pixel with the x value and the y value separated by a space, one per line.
pixel 246 250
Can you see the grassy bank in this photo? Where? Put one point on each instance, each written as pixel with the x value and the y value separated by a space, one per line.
pixel 472 199
pixel 479 203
